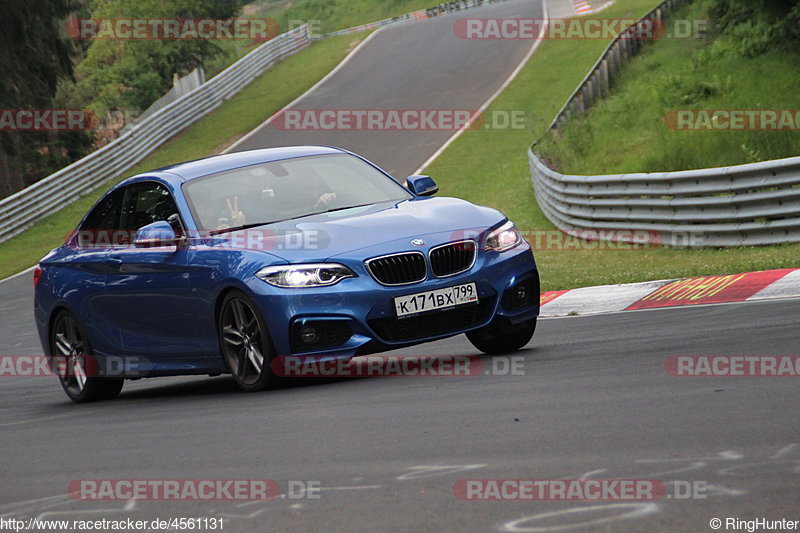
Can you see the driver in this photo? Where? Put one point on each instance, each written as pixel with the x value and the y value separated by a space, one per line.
pixel 212 217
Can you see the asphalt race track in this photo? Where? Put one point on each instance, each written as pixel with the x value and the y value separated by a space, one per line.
pixel 590 398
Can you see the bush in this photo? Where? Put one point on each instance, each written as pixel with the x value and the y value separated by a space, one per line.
pixel 753 27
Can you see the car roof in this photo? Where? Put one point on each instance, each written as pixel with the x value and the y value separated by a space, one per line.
pixel 219 163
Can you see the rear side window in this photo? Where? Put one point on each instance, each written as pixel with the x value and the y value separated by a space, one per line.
pixel 102 226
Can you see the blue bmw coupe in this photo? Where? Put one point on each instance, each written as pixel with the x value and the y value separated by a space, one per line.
pixel 221 265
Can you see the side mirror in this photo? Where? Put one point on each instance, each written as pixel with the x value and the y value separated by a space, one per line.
pixel 422 185
pixel 158 233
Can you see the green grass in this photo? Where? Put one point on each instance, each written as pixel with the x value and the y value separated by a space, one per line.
pixel 627 131
pixel 491 168
pixel 266 95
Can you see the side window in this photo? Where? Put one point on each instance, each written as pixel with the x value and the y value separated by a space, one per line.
pixel 101 228
pixel 146 203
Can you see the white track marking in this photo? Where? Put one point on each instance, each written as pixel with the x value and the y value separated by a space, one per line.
pixel 600 299
pixel 672 308
pixel 430 471
pixel 32 505
pixel 243 516
pixel 764 467
pixel 29 420
pixel 130 505
pixel 284 496
pixel 494 96
pixel 728 455
pixel 352 487
pixel 9 278
pixel 786 450
pixel 316 86
pixel 591 474
pixel 634 510
pixel 716 490
pixel 694 466
pixel 786 287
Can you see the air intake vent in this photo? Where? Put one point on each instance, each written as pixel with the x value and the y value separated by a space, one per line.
pixel 398 269
pixel 452 258
pixel 432 324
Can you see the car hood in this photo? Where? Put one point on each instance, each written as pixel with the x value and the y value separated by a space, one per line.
pixel 320 237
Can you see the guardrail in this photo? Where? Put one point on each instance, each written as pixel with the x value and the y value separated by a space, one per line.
pixel 20 210
pixel 753 204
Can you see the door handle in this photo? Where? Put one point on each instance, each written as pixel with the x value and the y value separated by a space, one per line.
pixel 113 260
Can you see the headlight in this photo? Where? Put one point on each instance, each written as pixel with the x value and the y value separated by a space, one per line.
pixel 503 238
pixel 310 275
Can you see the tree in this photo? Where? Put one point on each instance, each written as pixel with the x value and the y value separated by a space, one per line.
pixel 35 56
pixel 132 74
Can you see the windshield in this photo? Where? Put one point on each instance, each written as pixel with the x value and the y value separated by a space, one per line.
pixel 290 188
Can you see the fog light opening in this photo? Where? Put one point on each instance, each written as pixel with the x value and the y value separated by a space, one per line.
pixel 522 292
pixel 309 335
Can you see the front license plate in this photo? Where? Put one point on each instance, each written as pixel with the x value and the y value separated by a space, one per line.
pixel 435 300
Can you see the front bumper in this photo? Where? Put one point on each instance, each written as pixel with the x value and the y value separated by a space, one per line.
pixel 357 315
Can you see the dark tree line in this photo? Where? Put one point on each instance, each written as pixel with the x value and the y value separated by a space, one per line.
pixel 43 67
pixel 35 57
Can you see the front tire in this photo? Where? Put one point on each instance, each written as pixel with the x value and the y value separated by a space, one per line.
pixel 500 337
pixel 70 344
pixel 245 343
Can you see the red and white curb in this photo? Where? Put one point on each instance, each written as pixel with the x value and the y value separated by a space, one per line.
pixel 763 285
pixel 564 9
pixel 582 7
pixel 587 7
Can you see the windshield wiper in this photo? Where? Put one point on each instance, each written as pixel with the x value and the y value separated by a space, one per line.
pixel 342 208
pixel 244 226
pixel 253 225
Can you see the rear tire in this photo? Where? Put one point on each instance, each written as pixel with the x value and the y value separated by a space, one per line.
pixel 69 343
pixel 500 337
pixel 245 343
